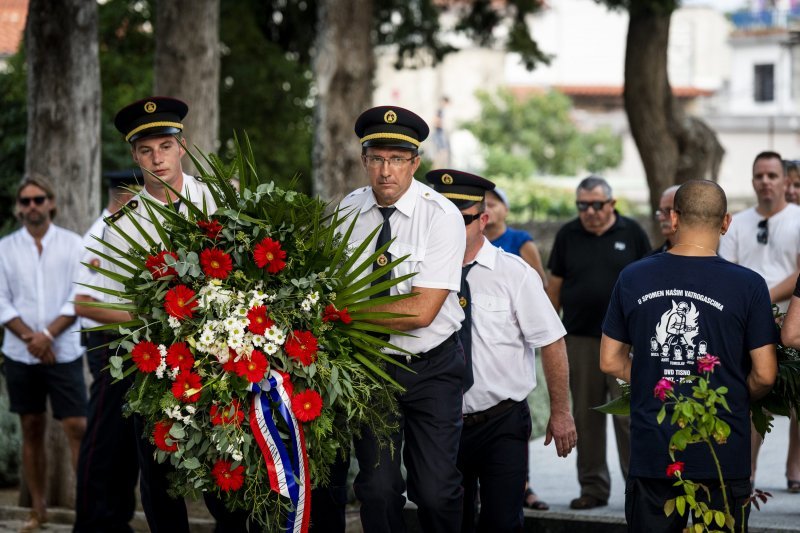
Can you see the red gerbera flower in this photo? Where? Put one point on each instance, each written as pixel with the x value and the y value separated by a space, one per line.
pixel 268 254
pixel 212 228
pixel 227 414
pixel 287 382
pixel 179 355
pixel 228 478
pixel 215 263
pixel 302 346
pixel 158 267
pixel 146 356
pixel 187 387
pixel 161 434
pixel 180 302
pixel 230 365
pixel 259 321
pixel 252 369
pixel 331 314
pixel 307 405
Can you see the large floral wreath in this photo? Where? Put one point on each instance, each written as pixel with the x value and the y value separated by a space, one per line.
pixel 253 359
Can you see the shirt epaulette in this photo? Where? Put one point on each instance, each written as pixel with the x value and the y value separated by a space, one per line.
pixel 356 192
pixel 131 205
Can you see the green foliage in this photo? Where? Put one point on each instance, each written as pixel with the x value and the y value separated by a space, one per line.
pixel 13 127
pixel 537 135
pixel 10 440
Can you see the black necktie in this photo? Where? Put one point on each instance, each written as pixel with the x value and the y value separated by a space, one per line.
pixel 465 333
pixel 385 258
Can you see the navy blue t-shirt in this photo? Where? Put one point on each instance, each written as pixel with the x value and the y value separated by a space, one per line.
pixel 673 310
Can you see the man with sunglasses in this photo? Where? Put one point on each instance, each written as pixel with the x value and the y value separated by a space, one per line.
pixel 41 345
pixel 507 316
pixel 766 238
pixel 428 232
pixel 588 254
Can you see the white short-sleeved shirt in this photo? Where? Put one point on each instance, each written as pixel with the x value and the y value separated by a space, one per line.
pixel 777 259
pixel 511 316
pixel 86 275
pixel 38 289
pixel 196 191
pixel 429 229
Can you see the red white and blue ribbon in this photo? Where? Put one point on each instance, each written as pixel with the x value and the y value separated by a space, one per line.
pixel 287 468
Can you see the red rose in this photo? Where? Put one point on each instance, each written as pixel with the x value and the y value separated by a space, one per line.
pixel 331 314
pixel 179 355
pixel 226 415
pixel 252 369
pixel 212 228
pixel 307 405
pixel 259 321
pixel 215 263
pixel 161 434
pixel 268 254
pixel 158 267
pixel 180 302
pixel 675 468
pixel 227 478
pixel 146 356
pixel 302 346
pixel 187 387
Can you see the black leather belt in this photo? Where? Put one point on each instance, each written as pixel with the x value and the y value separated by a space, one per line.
pixel 472 419
pixel 449 342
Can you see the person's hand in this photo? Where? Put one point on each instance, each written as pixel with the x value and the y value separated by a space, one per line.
pixel 38 344
pixel 561 429
pixel 49 357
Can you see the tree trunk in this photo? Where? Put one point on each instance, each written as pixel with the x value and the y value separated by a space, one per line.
pixel 187 67
pixel 63 143
pixel 343 65
pixel 673 146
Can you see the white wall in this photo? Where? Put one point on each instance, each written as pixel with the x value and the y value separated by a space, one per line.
pixel 748 52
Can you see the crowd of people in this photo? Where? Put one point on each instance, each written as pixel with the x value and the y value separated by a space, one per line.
pixel 483 310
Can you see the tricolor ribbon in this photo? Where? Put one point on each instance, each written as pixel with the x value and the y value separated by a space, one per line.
pixel 287 468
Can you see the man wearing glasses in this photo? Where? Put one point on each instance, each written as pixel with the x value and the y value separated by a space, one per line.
pixel 664 220
pixel 428 231
pixel 588 254
pixel 41 345
pixel 766 238
pixel 507 317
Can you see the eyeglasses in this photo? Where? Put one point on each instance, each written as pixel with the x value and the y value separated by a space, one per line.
pixel 469 219
pixel 597 205
pixel 376 161
pixel 663 213
pixel 25 201
pixel 763 232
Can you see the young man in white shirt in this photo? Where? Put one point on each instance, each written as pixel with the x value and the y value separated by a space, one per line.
pixel 41 344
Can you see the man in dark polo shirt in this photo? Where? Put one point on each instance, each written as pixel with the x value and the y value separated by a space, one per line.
pixel 588 255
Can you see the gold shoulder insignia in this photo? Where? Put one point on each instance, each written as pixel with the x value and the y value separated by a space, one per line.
pixel 130 206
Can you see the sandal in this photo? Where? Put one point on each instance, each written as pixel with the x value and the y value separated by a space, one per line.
pixel 793 486
pixel 34 523
pixel 537 504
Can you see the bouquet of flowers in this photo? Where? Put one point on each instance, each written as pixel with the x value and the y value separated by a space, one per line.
pixel 253 356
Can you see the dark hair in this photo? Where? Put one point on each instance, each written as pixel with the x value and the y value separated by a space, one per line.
pixel 41 181
pixel 701 203
pixel 592 182
pixel 768 155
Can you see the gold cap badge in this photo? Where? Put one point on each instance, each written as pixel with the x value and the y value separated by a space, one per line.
pixel 382 260
pixel 150 107
pixel 447 179
pixel 390 117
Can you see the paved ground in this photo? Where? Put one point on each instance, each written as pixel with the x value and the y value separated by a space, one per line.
pixel 556 482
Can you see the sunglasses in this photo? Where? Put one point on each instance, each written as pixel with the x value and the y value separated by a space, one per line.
pixel 763 232
pixel 597 205
pixel 469 219
pixel 25 201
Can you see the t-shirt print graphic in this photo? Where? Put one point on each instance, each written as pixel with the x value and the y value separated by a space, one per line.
pixel 675 339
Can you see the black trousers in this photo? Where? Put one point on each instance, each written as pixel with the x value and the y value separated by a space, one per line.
pixel 494 454
pixel 328 503
pixel 430 421
pixel 107 465
pixel 645 497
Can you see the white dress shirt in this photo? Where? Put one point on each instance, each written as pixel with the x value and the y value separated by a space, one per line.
pixel 85 274
pixel 38 288
pixel 429 229
pixel 511 316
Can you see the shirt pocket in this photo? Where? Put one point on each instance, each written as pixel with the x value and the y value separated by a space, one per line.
pixel 409 265
pixel 490 314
